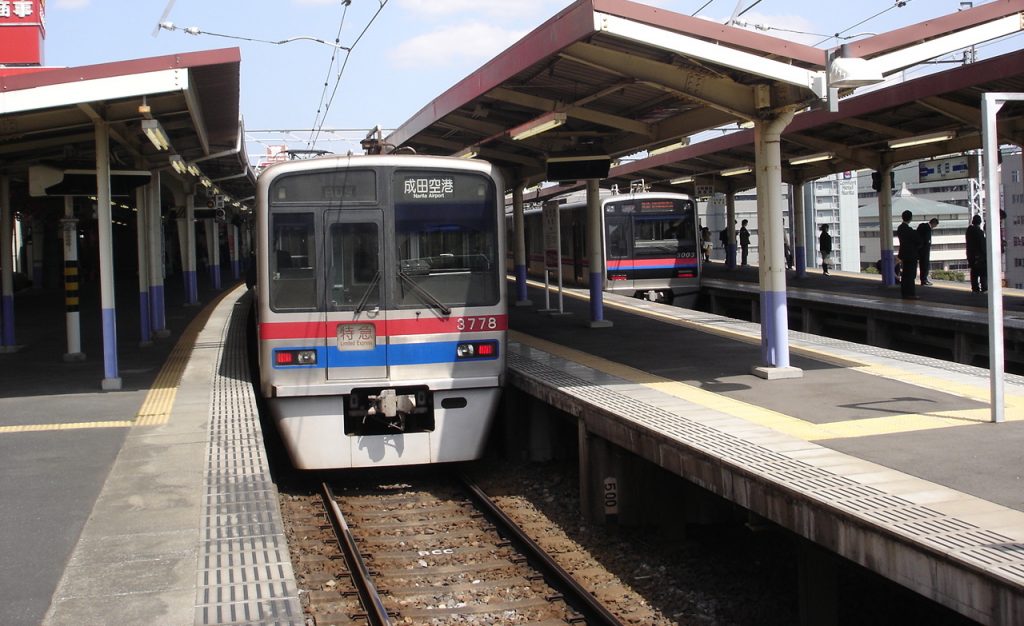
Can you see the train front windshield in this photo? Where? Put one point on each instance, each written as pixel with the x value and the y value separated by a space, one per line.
pixel 446 234
pixel 651 229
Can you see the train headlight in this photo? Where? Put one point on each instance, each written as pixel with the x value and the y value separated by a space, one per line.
pixel 477 350
pixel 294 357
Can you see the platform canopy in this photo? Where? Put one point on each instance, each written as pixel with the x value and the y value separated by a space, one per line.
pixel 48 115
pixel 614 78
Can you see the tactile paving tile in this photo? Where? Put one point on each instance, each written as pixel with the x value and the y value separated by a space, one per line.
pixel 979 547
pixel 245 573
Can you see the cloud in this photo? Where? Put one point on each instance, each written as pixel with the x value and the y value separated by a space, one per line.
pixel 471 42
pixel 70 5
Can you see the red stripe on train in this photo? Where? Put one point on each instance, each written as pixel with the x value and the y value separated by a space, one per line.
pixel 422 326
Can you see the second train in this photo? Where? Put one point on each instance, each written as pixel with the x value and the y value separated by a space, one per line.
pixel 650 242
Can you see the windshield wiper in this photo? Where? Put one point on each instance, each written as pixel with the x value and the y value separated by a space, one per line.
pixel 366 294
pixel 425 295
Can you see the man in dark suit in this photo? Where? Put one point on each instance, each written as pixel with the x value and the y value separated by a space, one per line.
pixel 924 233
pixel 975 237
pixel 910 245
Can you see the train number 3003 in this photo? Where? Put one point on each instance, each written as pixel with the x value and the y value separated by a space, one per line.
pixel 477 323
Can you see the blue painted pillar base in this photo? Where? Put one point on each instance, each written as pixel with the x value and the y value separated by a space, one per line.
pixel 236 270
pixel 775 338
pixel 888 268
pixel 158 312
pixel 800 257
pixel 521 299
pixel 597 303
pixel 730 255
pixel 191 288
pixel 145 330
pixel 215 274
pixel 111 380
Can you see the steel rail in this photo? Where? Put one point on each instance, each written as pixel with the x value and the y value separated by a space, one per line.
pixel 576 596
pixel 376 614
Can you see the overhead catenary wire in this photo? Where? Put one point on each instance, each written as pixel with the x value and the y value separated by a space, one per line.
pixel 330 67
pixel 341 71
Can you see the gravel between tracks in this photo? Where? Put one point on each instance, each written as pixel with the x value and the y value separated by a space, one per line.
pixel 723 575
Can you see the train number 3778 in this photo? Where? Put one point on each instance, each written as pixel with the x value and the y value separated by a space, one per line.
pixel 477 323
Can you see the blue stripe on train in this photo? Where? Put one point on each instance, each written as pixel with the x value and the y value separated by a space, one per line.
pixel 395 354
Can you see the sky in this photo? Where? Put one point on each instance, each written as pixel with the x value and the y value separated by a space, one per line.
pixel 404 53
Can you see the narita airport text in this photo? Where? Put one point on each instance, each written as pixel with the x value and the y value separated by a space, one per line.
pixel 429 187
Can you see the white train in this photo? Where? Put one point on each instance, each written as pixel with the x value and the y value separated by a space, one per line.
pixel 381 307
pixel 650 243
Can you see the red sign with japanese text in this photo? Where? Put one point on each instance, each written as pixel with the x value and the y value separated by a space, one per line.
pixel 22 30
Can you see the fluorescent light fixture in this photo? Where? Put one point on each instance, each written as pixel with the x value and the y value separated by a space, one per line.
pixel 736 171
pixel 537 126
pixel 681 180
pixel 675 145
pixel 812 158
pixel 156 134
pixel 470 152
pixel 922 139
pixel 178 164
pixel 206 182
pixel 193 169
pixel 747 124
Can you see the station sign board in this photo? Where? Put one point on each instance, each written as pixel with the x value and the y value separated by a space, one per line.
pixel 948 168
pixel 552 237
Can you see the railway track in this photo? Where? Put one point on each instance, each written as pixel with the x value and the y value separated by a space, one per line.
pixel 434 552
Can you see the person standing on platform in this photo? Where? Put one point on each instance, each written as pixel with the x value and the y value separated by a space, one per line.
pixel 825 246
pixel 924 233
pixel 744 241
pixel 910 249
pixel 975 237
pixel 705 243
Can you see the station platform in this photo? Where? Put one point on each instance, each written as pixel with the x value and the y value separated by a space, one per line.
pixel 153 504
pixel 148 505
pixel 866 287
pixel 885 458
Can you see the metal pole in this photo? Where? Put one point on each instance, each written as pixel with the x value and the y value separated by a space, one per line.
pixel 213 251
pixel 188 261
pixel 771 258
pixel 990 105
pixel 236 272
pixel 885 222
pixel 111 379
pixel 520 261
pixel 730 225
pixel 156 259
pixel 6 266
pixel 142 239
pixel 595 255
pixel 799 232
pixel 72 281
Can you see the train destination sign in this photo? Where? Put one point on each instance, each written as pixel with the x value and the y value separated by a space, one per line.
pixel 429 188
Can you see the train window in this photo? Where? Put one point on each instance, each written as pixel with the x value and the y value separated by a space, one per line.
pixel 665 235
pixel 354 273
pixel 446 233
pixel 292 262
pixel 618 236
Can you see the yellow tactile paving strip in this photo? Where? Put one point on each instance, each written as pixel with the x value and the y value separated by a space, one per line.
pixel 790 425
pixel 156 408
